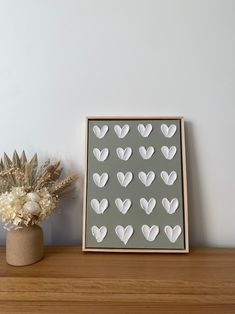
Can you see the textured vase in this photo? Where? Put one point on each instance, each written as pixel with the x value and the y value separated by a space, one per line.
pixel 24 246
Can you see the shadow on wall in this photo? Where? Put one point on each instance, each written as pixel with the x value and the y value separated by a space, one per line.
pixel 2 234
pixel 65 226
pixel 197 231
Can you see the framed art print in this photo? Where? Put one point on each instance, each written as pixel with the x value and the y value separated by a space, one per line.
pixel 135 185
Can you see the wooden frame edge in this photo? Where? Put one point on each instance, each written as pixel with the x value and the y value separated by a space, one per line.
pixel 185 185
pixel 134 117
pixel 84 187
pixel 134 250
pixel 185 190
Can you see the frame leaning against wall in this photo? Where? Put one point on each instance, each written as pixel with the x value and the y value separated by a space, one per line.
pixel 92 218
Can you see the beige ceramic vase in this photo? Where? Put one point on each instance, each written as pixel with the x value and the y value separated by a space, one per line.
pixel 24 246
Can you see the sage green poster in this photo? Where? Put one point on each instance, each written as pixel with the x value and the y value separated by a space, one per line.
pixel 134 185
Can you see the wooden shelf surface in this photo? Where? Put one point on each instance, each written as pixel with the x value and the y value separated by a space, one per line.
pixel 70 281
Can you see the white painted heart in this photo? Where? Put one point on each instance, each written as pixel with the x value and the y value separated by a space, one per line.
pixel 99 233
pixel 145 130
pixel 100 132
pixel 150 233
pixel 100 180
pixel 124 234
pixel 172 233
pixel 123 206
pixel 101 155
pixel 169 152
pixel 168 131
pixel 121 131
pixel 124 179
pixel 169 179
pixel 146 153
pixel 99 207
pixel 147 206
pixel 146 179
pixel 170 206
pixel 124 153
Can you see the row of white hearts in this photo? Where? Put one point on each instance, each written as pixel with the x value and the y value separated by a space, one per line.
pixel 124 205
pixel 125 179
pixel 124 234
pixel 125 153
pixel 144 130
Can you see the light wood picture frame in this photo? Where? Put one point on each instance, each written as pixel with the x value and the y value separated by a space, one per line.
pixel 135 186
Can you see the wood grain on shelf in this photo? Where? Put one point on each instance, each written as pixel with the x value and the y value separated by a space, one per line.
pixel 70 281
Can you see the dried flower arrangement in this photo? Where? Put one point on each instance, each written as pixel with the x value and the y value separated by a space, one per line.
pixel 29 193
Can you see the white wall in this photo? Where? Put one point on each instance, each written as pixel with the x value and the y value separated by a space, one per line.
pixel 62 60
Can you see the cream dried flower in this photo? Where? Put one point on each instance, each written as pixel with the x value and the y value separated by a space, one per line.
pixel 32 208
pixel 19 208
pixel 33 196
